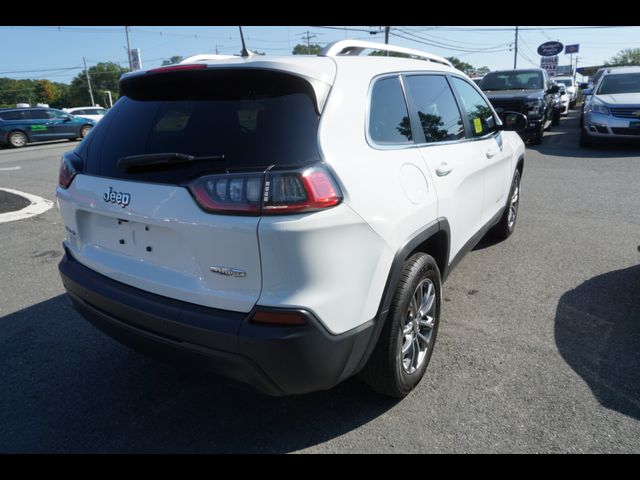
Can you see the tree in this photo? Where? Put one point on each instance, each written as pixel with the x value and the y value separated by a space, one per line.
pixel 173 60
pixel 104 76
pixel 460 65
pixel 482 71
pixel 628 56
pixel 301 49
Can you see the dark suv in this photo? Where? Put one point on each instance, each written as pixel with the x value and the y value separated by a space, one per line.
pixel 529 91
pixel 19 126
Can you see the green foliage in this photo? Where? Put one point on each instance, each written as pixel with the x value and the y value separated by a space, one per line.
pixel 14 91
pixel 460 65
pixel 173 60
pixel 104 76
pixel 301 49
pixel 628 56
pixel 482 71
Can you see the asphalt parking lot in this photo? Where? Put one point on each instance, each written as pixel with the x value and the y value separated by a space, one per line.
pixel 538 350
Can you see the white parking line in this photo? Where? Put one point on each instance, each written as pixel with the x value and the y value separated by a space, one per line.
pixel 38 205
pixel 7 169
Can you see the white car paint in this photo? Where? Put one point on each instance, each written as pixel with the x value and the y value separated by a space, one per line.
pixel 333 262
pixel 92 113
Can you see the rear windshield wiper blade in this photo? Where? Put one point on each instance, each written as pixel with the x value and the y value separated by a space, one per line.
pixel 174 158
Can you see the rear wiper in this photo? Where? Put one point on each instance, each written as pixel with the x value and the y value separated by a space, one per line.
pixel 150 159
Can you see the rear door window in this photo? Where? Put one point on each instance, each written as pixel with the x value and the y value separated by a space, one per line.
pixel 388 115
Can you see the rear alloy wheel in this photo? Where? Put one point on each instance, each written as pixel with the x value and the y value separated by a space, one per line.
pixel 84 131
pixel 406 343
pixel 17 139
pixel 507 224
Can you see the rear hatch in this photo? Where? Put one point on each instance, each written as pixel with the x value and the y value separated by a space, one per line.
pixel 137 210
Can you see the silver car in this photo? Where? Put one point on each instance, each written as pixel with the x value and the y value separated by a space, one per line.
pixel 613 112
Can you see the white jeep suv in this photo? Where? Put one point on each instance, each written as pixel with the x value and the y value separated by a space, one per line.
pixel 287 222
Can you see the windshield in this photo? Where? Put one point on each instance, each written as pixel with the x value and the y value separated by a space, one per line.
pixel 565 81
pixel 517 80
pixel 621 83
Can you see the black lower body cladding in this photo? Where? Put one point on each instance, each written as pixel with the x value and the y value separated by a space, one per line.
pixel 276 360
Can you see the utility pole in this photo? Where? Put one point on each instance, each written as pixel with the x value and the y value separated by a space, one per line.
pixel 309 37
pixel 126 31
pixel 386 35
pixel 86 71
pixel 110 98
pixel 515 55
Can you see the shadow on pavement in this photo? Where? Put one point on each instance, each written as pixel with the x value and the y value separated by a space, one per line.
pixel 597 331
pixel 66 387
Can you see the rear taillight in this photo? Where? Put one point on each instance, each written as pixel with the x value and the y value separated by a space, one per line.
pixel 66 173
pixel 273 193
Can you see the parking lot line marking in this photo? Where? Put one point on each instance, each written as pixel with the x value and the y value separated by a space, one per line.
pixel 38 205
pixel 7 169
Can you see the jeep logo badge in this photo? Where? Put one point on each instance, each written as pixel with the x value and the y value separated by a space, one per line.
pixel 119 198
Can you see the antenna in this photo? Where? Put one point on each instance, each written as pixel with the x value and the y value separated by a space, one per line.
pixel 245 51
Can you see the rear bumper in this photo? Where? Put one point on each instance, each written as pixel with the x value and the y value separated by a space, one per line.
pixel 275 360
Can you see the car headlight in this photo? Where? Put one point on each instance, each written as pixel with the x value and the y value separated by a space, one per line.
pixel 596 106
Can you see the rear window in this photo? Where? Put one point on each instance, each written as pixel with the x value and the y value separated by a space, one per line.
pixel 254 118
pixel 512 80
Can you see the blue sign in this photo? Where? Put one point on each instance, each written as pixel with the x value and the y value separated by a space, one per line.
pixel 572 48
pixel 549 49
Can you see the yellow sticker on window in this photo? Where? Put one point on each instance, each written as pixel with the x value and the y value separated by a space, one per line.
pixel 477 125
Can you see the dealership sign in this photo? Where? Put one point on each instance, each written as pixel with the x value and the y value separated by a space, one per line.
pixel 572 48
pixel 550 49
pixel 550 64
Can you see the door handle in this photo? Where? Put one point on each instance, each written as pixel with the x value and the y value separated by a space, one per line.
pixel 444 169
pixel 491 153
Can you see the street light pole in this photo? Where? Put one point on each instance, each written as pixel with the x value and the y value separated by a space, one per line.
pixel 86 71
pixel 126 31
pixel 515 55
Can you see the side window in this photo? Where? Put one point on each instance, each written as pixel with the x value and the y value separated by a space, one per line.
pixel 436 107
pixel 388 116
pixel 14 115
pixel 55 114
pixel 79 112
pixel 479 114
pixel 37 114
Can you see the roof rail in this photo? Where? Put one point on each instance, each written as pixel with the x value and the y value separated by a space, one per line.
pixel 356 47
pixel 207 57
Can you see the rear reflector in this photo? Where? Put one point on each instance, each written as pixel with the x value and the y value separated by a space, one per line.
pixel 274 193
pixel 278 318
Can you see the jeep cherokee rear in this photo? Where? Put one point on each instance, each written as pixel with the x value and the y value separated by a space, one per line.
pixel 263 218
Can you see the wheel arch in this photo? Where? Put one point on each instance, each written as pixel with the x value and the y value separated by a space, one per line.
pixel 434 239
pixel 19 130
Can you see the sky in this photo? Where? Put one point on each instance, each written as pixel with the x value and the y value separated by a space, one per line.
pixel 56 53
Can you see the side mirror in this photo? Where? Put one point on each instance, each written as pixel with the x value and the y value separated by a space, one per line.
pixel 66 118
pixel 554 89
pixel 513 121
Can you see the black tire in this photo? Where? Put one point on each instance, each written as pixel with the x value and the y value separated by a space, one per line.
pixel 572 105
pixel 536 139
pixel 386 372
pixel 504 228
pixel 17 139
pixel 85 130
pixel 555 118
pixel 585 141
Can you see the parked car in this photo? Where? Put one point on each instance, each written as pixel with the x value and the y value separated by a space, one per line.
pixel 571 88
pixel 557 105
pixel 613 113
pixel 477 80
pixel 565 100
pixel 239 219
pixel 93 113
pixel 19 126
pixel 528 91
